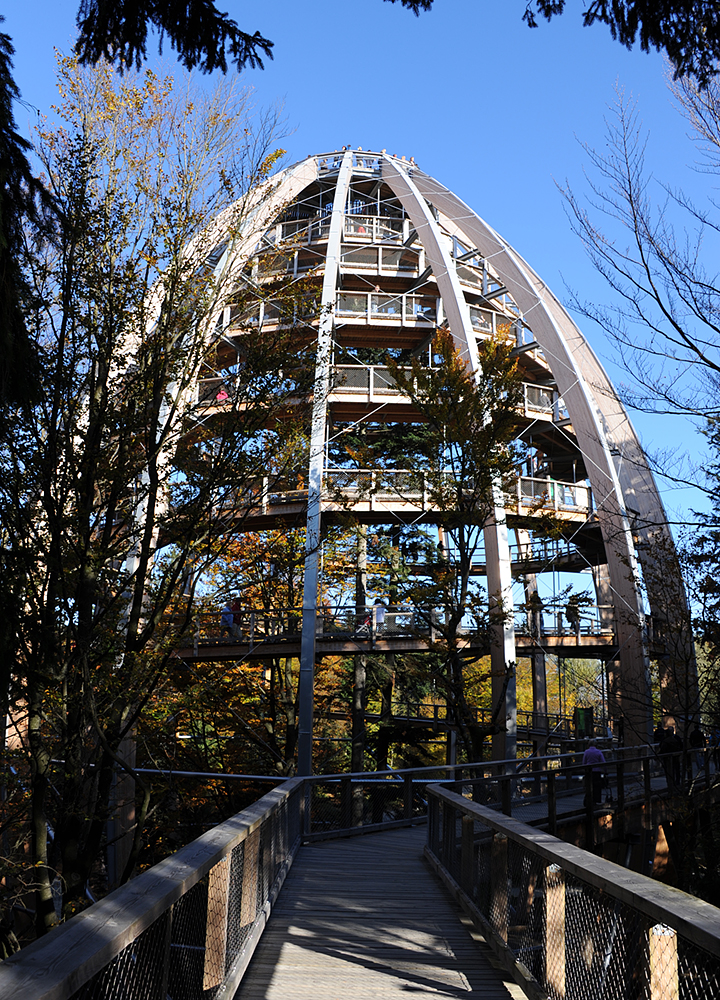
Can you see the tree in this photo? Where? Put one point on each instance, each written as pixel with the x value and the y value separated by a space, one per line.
pixel 687 30
pixel 468 455
pixel 659 261
pixel 21 197
pixel 115 481
pixel 203 37
pixel 665 323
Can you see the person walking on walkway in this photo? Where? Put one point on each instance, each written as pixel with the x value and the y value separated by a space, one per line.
pixel 236 608
pixel 226 620
pixel 595 757
pixel 670 752
pixel 572 613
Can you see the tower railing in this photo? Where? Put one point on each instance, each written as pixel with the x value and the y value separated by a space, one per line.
pixel 252 624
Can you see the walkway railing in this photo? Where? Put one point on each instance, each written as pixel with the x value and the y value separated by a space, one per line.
pixel 565 919
pixel 381 488
pixel 187 927
pixel 350 621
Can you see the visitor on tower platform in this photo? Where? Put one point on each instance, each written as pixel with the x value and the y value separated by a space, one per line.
pixel 236 608
pixel 572 613
pixel 380 611
pixel 594 755
pixel 534 611
pixel 226 620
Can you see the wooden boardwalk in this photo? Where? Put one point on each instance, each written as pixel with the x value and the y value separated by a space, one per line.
pixel 363 918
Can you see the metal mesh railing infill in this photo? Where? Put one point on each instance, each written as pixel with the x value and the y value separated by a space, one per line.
pixel 564 917
pixel 184 929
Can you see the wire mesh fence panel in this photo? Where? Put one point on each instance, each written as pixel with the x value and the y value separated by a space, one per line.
pixel 237 931
pixel 138 971
pixel 683 970
pixel 197 939
pixel 186 964
pixel 525 875
pixel 605 944
pixel 581 939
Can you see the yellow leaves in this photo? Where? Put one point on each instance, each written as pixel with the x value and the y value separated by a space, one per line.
pixel 269 162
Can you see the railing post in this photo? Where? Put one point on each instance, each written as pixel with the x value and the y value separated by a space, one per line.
pixel 664 980
pixel 408 796
pixel 555 929
pixel 706 764
pixel 620 767
pixel 589 809
pixel 620 810
pixel 448 834
pixel 499 885
pixel 647 786
pixel 467 855
pixel 433 818
pixel 346 802
pixel 506 794
pixel 307 809
pixel 552 803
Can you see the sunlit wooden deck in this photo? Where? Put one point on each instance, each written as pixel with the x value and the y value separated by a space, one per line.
pixel 365 918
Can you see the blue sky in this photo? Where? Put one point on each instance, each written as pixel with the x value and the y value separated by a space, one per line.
pixel 494 110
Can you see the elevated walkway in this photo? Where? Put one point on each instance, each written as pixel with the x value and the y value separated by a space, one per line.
pixel 345 631
pixel 365 917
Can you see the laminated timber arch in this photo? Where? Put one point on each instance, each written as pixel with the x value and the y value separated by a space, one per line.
pixel 476 278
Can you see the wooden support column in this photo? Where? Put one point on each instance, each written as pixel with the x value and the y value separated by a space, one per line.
pixel 664 980
pixel 248 902
pixel 552 803
pixel 357 752
pixel 216 924
pixel 502 651
pixel 555 929
pixel 316 469
pixel 537 655
pixel 467 856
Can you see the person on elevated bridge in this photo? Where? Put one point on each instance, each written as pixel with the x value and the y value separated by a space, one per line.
pixel 594 755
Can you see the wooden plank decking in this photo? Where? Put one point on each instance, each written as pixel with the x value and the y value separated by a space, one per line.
pixel 365 918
